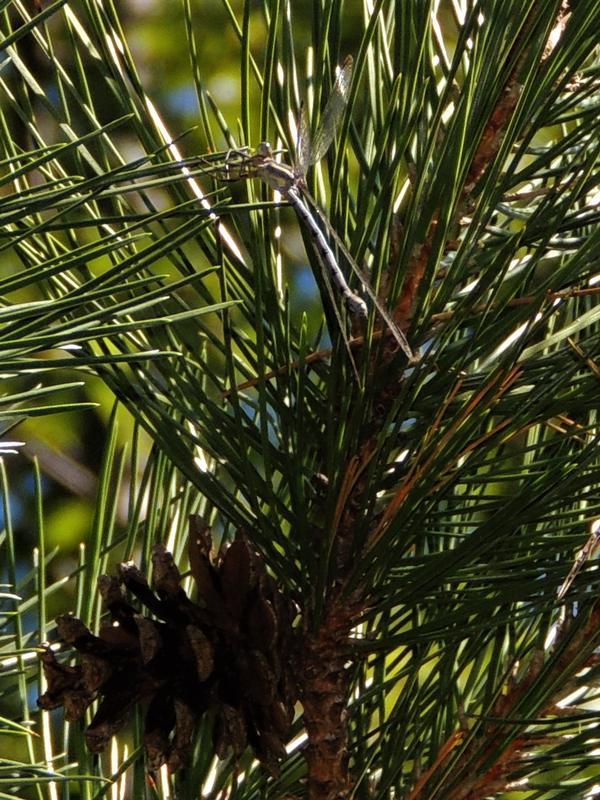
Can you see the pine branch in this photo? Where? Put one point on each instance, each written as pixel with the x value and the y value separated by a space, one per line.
pixel 416 521
pixel 484 156
pixel 492 753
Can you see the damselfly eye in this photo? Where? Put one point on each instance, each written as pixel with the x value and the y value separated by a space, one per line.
pixel 264 150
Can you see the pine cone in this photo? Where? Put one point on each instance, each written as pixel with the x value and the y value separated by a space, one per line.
pixel 229 653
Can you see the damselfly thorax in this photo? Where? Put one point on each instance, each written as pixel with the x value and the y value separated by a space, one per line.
pixel 278 176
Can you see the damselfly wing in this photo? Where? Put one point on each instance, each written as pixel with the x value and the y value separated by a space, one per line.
pixel 311 151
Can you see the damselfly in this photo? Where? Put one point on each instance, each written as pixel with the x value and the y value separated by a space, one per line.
pixel 584 554
pixel 290 182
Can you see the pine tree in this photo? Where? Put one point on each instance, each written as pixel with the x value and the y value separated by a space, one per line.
pixel 343 571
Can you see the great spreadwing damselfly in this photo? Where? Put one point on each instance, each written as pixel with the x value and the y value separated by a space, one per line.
pixel 589 548
pixel 290 182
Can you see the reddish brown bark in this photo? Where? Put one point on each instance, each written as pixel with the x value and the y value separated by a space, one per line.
pixel 324 683
pixel 482 770
pixel 487 150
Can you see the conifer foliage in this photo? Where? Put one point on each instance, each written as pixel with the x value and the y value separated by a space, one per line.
pixel 345 574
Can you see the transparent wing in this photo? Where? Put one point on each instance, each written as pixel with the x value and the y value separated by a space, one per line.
pixel 333 112
pixel 303 145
